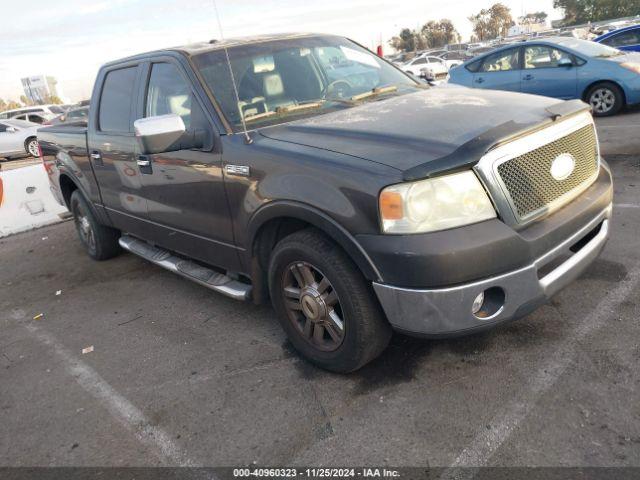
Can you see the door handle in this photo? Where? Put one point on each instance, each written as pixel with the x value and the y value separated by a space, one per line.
pixel 144 163
pixel 528 77
pixel 480 80
pixel 96 157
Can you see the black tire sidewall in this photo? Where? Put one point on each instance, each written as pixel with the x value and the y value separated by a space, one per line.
pixel 27 143
pixel 347 356
pixel 617 92
pixel 78 202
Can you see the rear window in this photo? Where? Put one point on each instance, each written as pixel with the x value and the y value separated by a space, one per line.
pixel 55 109
pixel 116 100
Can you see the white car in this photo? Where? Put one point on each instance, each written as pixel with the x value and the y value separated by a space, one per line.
pixel 18 138
pixel 432 68
pixel 46 111
pixel 436 65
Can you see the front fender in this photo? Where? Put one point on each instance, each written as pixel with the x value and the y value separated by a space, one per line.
pixel 320 220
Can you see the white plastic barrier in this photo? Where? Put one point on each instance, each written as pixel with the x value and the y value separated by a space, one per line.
pixel 26 201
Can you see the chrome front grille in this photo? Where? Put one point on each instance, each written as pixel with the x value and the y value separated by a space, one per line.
pixel 527 178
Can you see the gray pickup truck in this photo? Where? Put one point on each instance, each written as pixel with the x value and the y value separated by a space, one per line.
pixel 305 170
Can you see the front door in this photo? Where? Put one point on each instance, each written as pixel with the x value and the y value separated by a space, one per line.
pixel 499 71
pixel 10 141
pixel 184 189
pixel 112 147
pixel 550 72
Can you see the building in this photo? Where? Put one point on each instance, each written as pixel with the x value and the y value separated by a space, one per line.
pixel 39 88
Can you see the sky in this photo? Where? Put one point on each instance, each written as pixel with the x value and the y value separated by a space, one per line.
pixel 70 39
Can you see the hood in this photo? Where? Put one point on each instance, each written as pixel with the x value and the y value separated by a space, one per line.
pixel 416 129
pixel 628 57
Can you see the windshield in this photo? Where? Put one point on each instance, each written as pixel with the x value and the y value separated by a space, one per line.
pixel 592 49
pixel 55 109
pixel 281 79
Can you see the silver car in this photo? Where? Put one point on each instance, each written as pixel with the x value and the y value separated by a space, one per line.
pixel 18 138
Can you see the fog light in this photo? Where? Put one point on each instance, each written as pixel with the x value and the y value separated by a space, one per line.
pixel 477 304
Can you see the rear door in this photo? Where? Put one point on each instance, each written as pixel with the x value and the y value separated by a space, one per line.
pixel 549 71
pixel 112 146
pixel 499 71
pixel 184 188
pixel 10 140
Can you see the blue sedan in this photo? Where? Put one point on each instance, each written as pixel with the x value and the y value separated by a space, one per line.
pixel 562 67
pixel 627 38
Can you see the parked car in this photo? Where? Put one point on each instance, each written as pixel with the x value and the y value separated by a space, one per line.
pixel 354 207
pixel 48 111
pixel 454 58
pixel 565 68
pixel 73 115
pixel 627 39
pixel 18 138
pixel 39 118
pixel 434 64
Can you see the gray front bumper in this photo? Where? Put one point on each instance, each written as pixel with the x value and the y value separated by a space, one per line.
pixel 447 311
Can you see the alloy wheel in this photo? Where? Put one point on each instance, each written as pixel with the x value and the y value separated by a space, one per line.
pixel 602 100
pixel 84 228
pixel 33 148
pixel 313 306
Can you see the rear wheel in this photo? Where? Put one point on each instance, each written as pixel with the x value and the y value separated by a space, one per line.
pixel 100 242
pixel 606 99
pixel 31 146
pixel 324 304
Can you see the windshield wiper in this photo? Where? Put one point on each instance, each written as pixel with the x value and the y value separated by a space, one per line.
pixel 284 110
pixel 374 93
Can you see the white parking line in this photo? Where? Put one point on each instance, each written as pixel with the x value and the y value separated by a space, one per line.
pixel 487 442
pixel 127 414
pixel 625 205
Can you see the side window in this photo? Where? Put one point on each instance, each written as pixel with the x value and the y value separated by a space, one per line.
pixel 539 56
pixel 3 128
pixel 35 118
pixel 116 100
pixel 420 61
pixel 473 67
pixel 502 61
pixel 624 39
pixel 169 92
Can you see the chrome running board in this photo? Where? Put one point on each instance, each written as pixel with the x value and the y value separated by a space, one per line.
pixel 187 268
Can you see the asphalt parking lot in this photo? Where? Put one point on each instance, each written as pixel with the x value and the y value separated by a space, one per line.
pixel 182 376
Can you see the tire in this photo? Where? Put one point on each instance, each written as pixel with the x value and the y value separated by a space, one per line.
pixel 606 99
pixel 100 242
pixel 336 293
pixel 31 146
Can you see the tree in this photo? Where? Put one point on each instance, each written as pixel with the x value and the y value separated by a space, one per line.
pixel 492 22
pixel 8 105
pixel 25 101
pixel 432 35
pixel 533 18
pixel 52 99
pixel 577 12
pixel 405 41
pixel 439 34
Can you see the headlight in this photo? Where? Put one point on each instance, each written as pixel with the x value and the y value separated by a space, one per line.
pixel 434 204
pixel 634 67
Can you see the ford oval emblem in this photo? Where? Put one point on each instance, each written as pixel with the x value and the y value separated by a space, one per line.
pixel 563 166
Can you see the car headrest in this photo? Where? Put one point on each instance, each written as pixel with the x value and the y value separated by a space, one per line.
pixel 272 84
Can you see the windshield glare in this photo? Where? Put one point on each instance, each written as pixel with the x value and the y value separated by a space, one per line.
pixel 592 49
pixel 274 76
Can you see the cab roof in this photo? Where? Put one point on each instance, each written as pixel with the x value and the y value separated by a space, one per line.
pixel 212 45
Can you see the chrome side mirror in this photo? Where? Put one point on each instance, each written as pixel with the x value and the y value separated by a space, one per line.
pixel 157 134
pixel 11 130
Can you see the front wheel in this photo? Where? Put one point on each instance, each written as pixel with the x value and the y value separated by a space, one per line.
pixel 606 99
pixel 31 146
pixel 100 242
pixel 324 304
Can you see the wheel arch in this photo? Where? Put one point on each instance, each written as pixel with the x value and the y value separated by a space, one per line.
pixel 279 219
pixel 585 92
